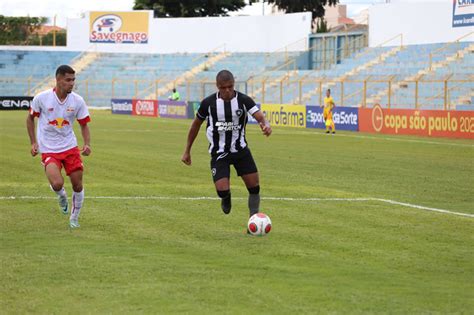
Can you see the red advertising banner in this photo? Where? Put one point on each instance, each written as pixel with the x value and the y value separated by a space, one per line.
pixel 429 123
pixel 145 108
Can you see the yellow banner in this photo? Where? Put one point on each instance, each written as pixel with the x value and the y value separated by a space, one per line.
pixel 118 27
pixel 285 115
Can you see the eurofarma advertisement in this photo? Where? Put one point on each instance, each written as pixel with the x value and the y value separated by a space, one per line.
pixel 463 13
pixel 285 115
pixel 118 27
pixel 431 123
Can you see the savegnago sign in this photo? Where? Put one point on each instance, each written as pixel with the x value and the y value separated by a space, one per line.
pixel 463 13
pixel 118 27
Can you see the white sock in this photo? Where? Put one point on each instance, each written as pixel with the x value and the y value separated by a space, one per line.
pixel 61 192
pixel 77 200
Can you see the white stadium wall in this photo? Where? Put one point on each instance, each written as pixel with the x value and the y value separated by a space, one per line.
pixel 419 22
pixel 199 35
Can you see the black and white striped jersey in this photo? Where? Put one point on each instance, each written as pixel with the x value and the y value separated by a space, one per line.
pixel 226 121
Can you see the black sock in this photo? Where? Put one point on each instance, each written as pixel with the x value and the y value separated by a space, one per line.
pixel 254 200
pixel 225 200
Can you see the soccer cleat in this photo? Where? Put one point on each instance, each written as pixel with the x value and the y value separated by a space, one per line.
pixel 327 131
pixel 73 224
pixel 226 204
pixel 333 132
pixel 63 205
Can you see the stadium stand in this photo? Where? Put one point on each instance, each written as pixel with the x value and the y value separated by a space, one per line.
pixel 414 72
pixel 21 69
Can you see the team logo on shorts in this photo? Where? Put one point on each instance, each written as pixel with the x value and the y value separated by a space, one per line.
pixel 214 171
pixel 239 112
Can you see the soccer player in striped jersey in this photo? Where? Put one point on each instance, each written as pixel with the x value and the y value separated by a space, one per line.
pixel 56 109
pixel 226 116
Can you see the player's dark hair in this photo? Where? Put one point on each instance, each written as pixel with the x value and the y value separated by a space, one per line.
pixel 63 69
pixel 329 90
pixel 224 75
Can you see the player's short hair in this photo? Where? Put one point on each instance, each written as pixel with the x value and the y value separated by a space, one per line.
pixel 224 75
pixel 329 90
pixel 63 69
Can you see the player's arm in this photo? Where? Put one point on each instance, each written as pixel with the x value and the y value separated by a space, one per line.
pixel 192 134
pixel 83 118
pixel 30 127
pixel 86 136
pixel 264 124
pixel 253 110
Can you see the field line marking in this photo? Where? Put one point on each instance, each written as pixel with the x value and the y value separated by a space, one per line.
pixel 393 202
pixel 189 198
pixel 424 208
pixel 124 130
pixel 306 132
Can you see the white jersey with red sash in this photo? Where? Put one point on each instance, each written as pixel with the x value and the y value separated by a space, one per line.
pixel 54 131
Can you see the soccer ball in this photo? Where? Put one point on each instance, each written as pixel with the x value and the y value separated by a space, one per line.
pixel 259 224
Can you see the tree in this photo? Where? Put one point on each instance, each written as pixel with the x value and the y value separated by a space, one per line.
pixel 47 40
pixel 19 30
pixel 316 7
pixel 322 26
pixel 189 8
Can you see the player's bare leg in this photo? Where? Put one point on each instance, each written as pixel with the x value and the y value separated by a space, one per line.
pixel 77 197
pixel 223 190
pixel 56 182
pixel 252 183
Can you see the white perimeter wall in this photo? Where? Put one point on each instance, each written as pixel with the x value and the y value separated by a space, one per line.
pixel 198 35
pixel 419 22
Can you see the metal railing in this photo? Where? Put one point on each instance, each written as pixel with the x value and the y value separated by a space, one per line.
pixel 294 46
pixel 442 51
pixel 213 51
pixel 329 56
pixel 42 83
pixel 287 86
pixel 440 93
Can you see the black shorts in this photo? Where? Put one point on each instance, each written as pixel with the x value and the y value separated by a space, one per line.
pixel 243 163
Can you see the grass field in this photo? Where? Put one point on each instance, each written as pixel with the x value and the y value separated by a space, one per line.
pixel 163 253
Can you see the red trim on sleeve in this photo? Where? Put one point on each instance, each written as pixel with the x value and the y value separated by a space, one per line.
pixel 33 113
pixel 84 121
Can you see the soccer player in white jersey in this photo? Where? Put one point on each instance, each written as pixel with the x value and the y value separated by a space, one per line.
pixel 226 115
pixel 56 109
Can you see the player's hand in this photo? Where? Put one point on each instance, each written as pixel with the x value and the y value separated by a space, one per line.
pixel 186 158
pixel 266 128
pixel 86 150
pixel 34 149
